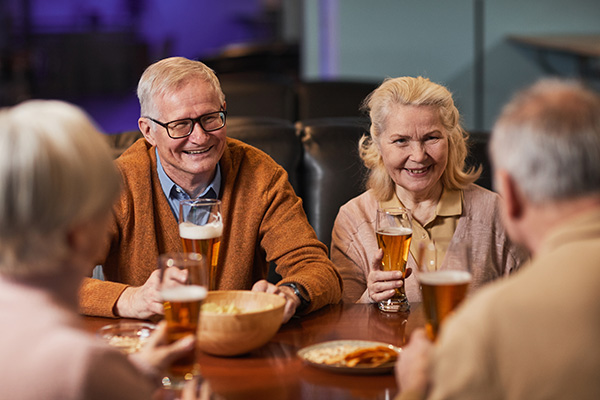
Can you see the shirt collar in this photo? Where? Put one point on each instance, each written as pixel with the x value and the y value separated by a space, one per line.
pixel 174 192
pixel 450 203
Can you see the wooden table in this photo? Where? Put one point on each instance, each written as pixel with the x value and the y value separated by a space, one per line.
pixel 275 371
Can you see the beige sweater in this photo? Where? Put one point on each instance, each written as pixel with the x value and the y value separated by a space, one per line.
pixel 354 244
pixel 263 221
pixel 534 335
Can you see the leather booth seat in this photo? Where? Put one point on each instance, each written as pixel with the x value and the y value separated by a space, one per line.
pixel 331 171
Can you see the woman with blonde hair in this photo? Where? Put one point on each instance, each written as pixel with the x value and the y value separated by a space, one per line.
pixel 416 155
pixel 57 185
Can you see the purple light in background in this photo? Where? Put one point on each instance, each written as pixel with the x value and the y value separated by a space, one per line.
pixel 328 38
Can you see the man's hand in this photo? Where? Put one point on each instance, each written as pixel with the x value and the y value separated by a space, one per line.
pixel 141 302
pixel 291 300
pixel 382 285
pixel 412 367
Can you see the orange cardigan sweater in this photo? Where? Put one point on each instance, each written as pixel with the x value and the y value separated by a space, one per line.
pixel 263 221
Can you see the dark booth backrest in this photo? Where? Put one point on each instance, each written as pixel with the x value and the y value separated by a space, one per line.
pixel 332 172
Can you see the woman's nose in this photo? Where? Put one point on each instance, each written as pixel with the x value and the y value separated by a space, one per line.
pixel 417 151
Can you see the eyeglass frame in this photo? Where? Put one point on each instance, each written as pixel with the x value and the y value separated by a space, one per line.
pixel 194 121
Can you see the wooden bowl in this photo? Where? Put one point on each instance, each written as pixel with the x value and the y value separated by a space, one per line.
pixel 235 334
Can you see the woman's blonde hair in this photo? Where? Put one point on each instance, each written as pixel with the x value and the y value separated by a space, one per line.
pixel 55 171
pixel 416 92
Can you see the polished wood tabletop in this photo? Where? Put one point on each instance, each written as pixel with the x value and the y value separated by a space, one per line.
pixel 274 371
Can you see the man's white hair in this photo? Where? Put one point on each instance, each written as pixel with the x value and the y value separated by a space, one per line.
pixel 548 139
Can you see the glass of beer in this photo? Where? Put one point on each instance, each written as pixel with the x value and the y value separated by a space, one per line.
pixel 444 280
pixel 393 228
pixel 183 287
pixel 200 230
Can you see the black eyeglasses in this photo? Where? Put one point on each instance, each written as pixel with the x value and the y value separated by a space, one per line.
pixel 181 128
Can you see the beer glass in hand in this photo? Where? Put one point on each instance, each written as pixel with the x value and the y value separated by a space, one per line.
pixel 444 284
pixel 393 228
pixel 200 230
pixel 183 282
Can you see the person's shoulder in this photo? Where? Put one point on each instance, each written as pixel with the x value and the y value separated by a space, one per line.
pixel 356 212
pixel 364 202
pixel 480 199
pixel 240 150
pixel 243 159
pixel 136 157
pixel 477 192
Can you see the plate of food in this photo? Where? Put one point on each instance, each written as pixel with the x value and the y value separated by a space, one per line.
pixel 351 356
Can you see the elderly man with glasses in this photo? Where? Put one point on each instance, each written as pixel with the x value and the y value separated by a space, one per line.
pixel 185 154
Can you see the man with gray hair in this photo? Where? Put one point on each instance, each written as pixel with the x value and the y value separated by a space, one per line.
pixel 185 154
pixel 534 335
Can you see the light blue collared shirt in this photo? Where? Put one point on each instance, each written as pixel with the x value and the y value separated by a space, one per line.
pixel 174 193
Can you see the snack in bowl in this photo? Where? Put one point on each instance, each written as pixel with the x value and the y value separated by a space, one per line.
pixel 229 334
pixel 129 337
pixel 231 308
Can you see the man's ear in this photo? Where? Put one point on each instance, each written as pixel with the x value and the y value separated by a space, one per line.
pixel 146 129
pixel 511 195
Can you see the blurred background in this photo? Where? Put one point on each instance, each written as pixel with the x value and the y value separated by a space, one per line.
pixel 92 52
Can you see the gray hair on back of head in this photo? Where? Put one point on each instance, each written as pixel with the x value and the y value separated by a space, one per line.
pixel 548 139
pixel 56 170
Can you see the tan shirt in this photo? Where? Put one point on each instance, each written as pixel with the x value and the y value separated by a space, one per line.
pixel 354 243
pixel 533 336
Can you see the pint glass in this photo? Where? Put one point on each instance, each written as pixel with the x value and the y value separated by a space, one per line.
pixel 200 230
pixel 443 285
pixel 183 283
pixel 393 228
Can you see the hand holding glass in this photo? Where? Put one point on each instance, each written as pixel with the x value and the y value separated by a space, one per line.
pixel 443 285
pixel 200 230
pixel 393 228
pixel 183 288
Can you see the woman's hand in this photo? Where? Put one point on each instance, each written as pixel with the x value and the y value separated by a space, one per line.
pixel 156 354
pixel 381 284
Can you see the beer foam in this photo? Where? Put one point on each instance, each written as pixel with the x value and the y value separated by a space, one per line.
pixel 395 231
pixel 184 293
pixel 444 277
pixel 187 230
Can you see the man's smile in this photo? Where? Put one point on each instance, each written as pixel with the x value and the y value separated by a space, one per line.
pixel 200 151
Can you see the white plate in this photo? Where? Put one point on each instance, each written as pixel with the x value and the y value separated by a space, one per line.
pixel 359 369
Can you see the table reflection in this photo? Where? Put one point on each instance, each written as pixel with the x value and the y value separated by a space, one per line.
pixel 274 371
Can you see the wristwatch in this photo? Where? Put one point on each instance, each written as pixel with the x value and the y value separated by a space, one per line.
pixel 304 300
